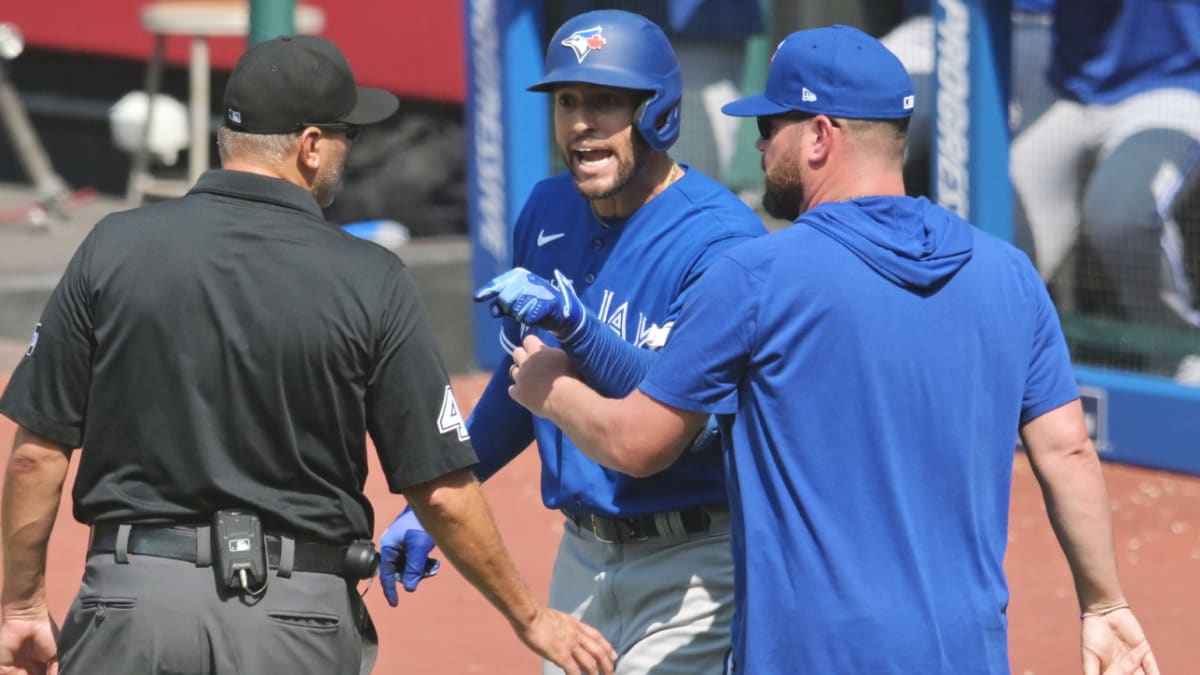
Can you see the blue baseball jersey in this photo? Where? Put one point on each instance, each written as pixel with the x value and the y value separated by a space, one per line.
pixel 1033 6
pixel 1108 50
pixel 631 273
pixel 871 366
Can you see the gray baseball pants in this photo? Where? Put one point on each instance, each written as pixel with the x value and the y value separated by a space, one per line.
pixel 158 615
pixel 665 603
pixel 1114 174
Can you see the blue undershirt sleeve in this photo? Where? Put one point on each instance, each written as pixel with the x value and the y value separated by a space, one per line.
pixel 500 428
pixel 612 366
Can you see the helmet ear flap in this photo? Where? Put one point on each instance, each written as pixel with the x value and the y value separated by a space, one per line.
pixel 657 120
pixel 639 115
pixel 640 110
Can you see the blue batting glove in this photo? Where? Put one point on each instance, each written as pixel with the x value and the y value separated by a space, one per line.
pixel 535 301
pixel 405 538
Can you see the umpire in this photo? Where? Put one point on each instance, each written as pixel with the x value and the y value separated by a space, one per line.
pixel 221 358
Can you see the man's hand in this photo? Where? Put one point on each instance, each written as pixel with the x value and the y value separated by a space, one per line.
pixel 28 643
pixel 534 301
pixel 535 369
pixel 570 644
pixel 405 538
pixel 1114 644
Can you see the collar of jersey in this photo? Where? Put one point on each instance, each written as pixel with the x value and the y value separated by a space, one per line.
pixel 258 188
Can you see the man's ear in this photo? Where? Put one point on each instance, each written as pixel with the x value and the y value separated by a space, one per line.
pixel 309 156
pixel 822 129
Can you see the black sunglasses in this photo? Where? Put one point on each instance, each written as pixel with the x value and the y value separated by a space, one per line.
pixel 351 130
pixel 766 125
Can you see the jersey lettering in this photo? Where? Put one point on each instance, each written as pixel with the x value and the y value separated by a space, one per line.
pixel 656 336
pixel 605 303
pixel 652 335
pixel 617 320
pixel 450 419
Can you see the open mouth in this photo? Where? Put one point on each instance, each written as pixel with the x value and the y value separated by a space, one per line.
pixel 592 158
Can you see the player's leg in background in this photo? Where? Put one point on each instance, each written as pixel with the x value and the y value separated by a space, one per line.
pixel 1031 90
pixel 1145 169
pixel 1031 95
pixel 1047 164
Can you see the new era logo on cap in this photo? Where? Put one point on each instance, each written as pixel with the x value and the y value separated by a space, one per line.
pixel 910 102
pixel 235 117
pixel 806 95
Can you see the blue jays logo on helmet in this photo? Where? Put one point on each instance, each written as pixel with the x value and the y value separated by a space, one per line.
pixel 583 42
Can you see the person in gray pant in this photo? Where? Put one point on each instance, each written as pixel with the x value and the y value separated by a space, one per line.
pixel 222 358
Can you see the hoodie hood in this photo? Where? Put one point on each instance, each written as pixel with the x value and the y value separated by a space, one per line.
pixel 912 243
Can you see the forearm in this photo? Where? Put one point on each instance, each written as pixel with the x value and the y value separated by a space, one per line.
pixel 1078 506
pixel 456 515
pixel 611 365
pixel 33 485
pixel 1069 472
pixel 499 427
pixel 617 433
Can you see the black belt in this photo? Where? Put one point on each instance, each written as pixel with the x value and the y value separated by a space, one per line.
pixel 179 543
pixel 639 528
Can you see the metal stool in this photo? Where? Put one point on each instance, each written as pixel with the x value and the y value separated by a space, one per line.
pixel 198 21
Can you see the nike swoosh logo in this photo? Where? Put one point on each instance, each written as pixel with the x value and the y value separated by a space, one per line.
pixel 544 238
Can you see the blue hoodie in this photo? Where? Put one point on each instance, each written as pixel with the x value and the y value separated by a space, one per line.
pixel 871 365
pixel 909 242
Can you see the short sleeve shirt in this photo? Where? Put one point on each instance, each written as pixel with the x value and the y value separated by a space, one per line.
pixel 231 348
pixel 870 437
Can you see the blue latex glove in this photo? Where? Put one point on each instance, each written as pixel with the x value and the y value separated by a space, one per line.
pixel 534 301
pixel 405 538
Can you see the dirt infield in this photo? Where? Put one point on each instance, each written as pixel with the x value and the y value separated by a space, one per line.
pixel 446 628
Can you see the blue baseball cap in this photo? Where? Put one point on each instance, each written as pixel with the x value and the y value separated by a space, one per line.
pixel 838 71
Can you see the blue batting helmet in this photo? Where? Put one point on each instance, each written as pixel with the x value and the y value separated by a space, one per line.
pixel 620 49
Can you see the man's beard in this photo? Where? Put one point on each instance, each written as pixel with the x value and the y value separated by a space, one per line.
pixel 625 172
pixel 327 186
pixel 784 193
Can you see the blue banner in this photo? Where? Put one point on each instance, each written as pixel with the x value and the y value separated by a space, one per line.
pixel 508 142
pixel 970 111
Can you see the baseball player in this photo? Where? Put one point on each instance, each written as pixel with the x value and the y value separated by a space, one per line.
pixel 872 365
pixel 605 254
pixel 1115 153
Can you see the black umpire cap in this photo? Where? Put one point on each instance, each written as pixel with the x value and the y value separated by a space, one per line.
pixel 294 81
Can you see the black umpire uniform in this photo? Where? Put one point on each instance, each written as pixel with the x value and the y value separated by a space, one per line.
pixel 231 350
